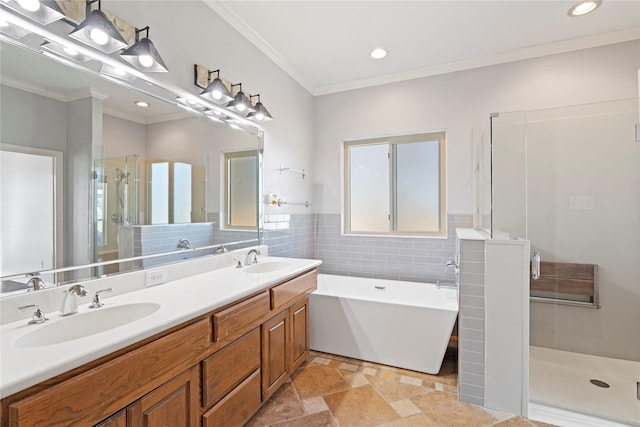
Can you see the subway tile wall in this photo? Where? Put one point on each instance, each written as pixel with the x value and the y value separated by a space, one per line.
pixel 164 238
pixel 471 322
pixel 296 241
pixel 395 258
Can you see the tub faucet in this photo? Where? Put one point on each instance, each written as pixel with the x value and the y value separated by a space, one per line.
pixel 70 302
pixel 252 257
pixel 183 244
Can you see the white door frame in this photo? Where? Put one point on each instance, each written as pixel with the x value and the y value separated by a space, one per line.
pixel 58 196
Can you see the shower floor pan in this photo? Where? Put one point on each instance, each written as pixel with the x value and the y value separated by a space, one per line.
pixel 563 379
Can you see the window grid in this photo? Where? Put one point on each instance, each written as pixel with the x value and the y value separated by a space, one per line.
pixel 393 209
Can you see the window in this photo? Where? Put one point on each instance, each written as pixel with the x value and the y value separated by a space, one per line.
pixel 172 192
pixel 396 185
pixel 241 190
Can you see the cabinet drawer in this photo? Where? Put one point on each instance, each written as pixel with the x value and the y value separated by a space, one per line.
pixel 285 293
pixel 238 406
pixel 240 317
pixel 92 396
pixel 224 370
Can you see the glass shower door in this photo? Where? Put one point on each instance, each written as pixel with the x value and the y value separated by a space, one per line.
pixel 568 180
pixel 583 207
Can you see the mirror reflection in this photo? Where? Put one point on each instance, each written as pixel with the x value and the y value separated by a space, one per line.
pixel 89 175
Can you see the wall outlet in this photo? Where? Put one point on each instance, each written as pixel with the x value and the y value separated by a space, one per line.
pixel 155 277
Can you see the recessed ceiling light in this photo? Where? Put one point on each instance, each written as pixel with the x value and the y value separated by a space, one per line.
pixel 378 53
pixel 584 7
pixel 141 103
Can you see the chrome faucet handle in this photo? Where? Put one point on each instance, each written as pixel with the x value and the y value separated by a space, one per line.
pixel 38 315
pixel 96 303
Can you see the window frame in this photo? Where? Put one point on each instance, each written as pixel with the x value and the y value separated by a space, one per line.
pixel 226 158
pixel 391 141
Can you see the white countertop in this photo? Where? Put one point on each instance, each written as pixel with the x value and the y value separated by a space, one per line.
pixel 180 300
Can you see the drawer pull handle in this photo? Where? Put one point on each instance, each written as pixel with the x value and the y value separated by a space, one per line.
pixel 276 326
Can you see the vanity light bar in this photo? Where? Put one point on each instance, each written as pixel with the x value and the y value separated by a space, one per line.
pixel 109 63
pixel 42 11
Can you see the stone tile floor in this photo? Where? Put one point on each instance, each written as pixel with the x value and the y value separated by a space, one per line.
pixel 331 390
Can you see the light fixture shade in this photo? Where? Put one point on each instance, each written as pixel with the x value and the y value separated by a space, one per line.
pixel 241 103
pixel 43 11
pixel 261 113
pixel 141 51
pixel 97 31
pixel 12 30
pixel 66 52
pixel 117 72
pixel 217 92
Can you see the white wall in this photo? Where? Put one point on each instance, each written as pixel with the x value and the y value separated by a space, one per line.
pixel 195 140
pixel 289 137
pixel 122 137
pixel 460 101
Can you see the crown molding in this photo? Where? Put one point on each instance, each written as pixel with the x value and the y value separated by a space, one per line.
pixel 484 61
pixel 232 18
pixel 73 95
pixel 31 88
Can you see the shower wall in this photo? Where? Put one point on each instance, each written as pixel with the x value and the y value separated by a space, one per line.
pixel 568 179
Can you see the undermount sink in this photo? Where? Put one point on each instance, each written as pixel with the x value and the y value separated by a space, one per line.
pixel 266 267
pixel 86 324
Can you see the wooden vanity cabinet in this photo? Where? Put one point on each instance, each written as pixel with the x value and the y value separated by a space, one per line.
pixel 299 334
pixel 225 369
pixel 237 406
pixel 216 370
pixel 285 345
pixel 92 395
pixel 116 420
pixel 176 403
pixel 275 353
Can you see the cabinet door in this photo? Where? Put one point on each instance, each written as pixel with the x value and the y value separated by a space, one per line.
pixel 176 403
pixel 299 334
pixel 275 355
pixel 116 420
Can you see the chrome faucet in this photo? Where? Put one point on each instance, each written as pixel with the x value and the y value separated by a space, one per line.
pixel 252 257
pixel 70 302
pixel 36 282
pixel 221 249
pixel 183 244
pixel 38 316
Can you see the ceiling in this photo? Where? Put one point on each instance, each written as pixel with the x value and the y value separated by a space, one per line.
pixel 325 45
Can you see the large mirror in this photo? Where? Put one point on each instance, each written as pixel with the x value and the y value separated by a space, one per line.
pixel 88 177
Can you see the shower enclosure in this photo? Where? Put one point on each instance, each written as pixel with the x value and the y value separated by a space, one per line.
pixel 568 180
pixel 116 200
pixel 132 191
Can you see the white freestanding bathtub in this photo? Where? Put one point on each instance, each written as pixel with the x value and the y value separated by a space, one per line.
pixel 402 324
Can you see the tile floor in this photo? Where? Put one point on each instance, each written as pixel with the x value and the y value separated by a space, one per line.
pixel 332 390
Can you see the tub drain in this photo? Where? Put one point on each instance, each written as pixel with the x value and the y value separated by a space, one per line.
pixel 599 383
